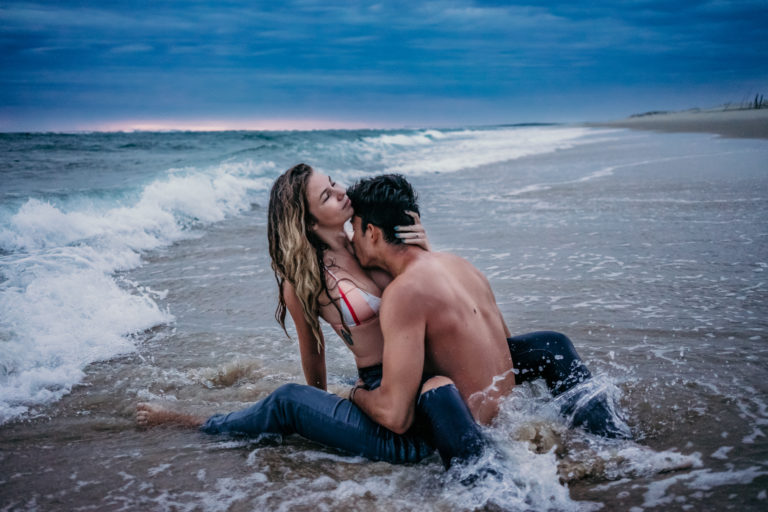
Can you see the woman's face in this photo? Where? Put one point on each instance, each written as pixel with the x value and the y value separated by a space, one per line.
pixel 328 201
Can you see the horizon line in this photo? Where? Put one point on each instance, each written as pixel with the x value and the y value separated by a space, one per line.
pixel 218 125
pixel 203 125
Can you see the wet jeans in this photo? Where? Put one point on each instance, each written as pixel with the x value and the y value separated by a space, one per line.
pixel 443 420
pixel 551 356
pixel 547 355
pixel 324 418
pixel 338 423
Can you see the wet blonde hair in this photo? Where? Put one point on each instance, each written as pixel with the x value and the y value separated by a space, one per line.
pixel 295 249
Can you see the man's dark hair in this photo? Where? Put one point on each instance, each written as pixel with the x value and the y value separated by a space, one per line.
pixel 382 201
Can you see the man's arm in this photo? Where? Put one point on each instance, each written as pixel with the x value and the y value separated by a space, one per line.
pixel 403 323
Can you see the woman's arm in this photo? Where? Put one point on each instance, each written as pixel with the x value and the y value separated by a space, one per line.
pixel 414 234
pixel 312 357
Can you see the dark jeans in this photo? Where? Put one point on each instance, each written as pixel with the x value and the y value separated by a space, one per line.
pixel 338 423
pixel 324 418
pixel 443 419
pixel 547 355
pixel 551 356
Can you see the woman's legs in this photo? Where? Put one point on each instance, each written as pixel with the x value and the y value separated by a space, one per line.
pixel 324 418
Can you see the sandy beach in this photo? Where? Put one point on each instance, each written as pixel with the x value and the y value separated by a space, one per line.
pixel 742 124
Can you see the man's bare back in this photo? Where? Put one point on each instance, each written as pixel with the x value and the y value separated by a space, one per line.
pixel 465 334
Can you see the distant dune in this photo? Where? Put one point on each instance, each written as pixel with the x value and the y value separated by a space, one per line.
pixel 747 123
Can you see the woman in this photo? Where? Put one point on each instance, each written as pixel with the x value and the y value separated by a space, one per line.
pixel 317 273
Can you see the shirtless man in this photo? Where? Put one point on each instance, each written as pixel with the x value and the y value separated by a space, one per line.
pixel 439 317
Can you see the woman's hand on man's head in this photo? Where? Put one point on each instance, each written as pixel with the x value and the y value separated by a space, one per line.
pixel 414 234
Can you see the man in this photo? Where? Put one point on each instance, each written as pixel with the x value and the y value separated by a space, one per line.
pixel 439 317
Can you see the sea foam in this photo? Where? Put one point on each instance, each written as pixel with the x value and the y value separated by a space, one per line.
pixel 430 151
pixel 64 304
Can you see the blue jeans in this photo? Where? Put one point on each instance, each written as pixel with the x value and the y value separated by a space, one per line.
pixel 547 355
pixel 324 418
pixel 551 356
pixel 338 423
pixel 443 419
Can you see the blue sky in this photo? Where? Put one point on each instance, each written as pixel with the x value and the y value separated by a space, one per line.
pixel 70 65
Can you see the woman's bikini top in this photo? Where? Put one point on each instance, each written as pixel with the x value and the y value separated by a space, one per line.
pixel 357 305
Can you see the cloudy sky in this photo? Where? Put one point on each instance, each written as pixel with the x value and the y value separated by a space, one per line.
pixel 80 65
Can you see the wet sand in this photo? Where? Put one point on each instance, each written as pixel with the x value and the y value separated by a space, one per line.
pixel 741 124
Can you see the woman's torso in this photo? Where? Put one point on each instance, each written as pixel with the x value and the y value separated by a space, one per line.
pixel 358 297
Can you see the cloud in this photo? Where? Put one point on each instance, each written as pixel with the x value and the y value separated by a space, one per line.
pixel 132 48
pixel 312 54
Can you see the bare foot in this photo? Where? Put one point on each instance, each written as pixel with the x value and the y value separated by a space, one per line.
pixel 152 415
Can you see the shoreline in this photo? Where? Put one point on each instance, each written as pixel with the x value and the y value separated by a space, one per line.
pixel 737 124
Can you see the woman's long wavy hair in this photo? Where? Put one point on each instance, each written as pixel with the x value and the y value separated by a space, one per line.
pixel 296 251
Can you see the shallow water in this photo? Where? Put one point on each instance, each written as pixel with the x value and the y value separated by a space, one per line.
pixel 648 250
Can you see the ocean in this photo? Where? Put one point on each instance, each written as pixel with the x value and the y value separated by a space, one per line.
pixel 134 267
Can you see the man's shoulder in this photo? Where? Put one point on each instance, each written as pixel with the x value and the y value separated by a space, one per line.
pixel 403 299
pixel 411 283
pixel 453 265
pixel 443 257
pixel 404 284
pixel 451 271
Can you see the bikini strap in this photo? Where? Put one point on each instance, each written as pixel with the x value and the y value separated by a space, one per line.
pixel 332 274
pixel 346 302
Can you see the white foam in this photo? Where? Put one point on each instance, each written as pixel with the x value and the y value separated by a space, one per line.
pixel 601 173
pixel 527 481
pixel 521 480
pixel 62 322
pixel 722 452
pixel 541 187
pixel 527 189
pixel 158 469
pixel 627 459
pixel 750 439
pixel 315 456
pixel 61 305
pixel 450 151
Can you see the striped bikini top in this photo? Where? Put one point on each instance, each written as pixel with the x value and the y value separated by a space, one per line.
pixel 357 305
